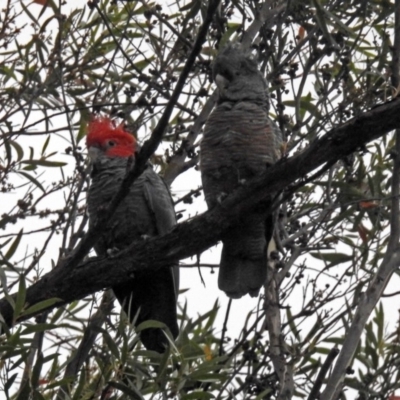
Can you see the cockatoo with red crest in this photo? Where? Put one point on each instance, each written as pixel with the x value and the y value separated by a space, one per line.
pixel 145 212
pixel 239 142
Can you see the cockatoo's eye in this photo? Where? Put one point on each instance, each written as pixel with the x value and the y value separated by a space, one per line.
pixel 111 143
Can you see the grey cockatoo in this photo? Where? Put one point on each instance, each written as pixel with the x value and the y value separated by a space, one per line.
pixel 239 142
pixel 146 211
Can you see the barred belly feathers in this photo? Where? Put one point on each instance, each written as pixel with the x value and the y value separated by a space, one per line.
pixel 239 143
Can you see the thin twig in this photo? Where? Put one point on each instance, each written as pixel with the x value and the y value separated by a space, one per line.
pixel 224 327
pixel 314 394
pixel 264 18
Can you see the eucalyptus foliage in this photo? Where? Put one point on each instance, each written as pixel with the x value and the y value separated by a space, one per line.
pixel 326 61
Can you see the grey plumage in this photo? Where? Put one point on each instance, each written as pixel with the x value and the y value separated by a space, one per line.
pixel 239 142
pixel 146 211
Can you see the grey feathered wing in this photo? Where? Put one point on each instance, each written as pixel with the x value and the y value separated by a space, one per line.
pixel 153 294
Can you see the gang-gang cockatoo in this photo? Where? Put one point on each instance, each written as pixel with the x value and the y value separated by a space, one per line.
pixel 146 211
pixel 238 143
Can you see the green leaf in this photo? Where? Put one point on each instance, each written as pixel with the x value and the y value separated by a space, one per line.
pixel 45 144
pixel 14 246
pixel 21 296
pixel 130 391
pixel 201 377
pixel 292 324
pixel 29 14
pixel 81 385
pixel 150 324
pixel 32 179
pixel 317 326
pixel 336 340
pixel 332 258
pixel 44 163
pixel 232 28
pixel 142 64
pixel 321 19
pixel 5 243
pixel 7 148
pixel 380 321
pixel 9 382
pixel 37 395
pixel 305 105
pixel 262 395
pixel 37 370
pixel 8 72
pixel 110 343
pixel 3 281
pixel 57 315
pixel 192 4
pixel 85 118
pixel 39 328
pixel 42 305
pixel 18 149
pixel 198 395
pixel 322 350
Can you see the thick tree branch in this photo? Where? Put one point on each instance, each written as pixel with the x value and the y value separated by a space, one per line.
pixel 98 273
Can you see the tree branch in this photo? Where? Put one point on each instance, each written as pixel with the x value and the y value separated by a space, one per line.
pixel 366 305
pixel 314 394
pixel 97 273
pixel 265 16
pixel 277 346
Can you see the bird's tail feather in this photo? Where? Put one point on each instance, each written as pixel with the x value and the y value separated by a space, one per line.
pixel 151 297
pixel 243 267
pixel 240 275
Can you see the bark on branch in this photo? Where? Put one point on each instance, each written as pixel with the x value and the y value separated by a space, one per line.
pixel 73 282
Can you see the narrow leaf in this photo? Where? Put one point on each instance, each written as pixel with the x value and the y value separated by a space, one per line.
pixel 14 246
pixel 32 179
pixel 21 296
pixel 42 305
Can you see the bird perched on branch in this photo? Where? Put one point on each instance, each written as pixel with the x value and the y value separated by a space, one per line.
pixel 146 211
pixel 239 142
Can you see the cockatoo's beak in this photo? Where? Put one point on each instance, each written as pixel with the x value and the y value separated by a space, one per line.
pixel 93 153
pixel 221 81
